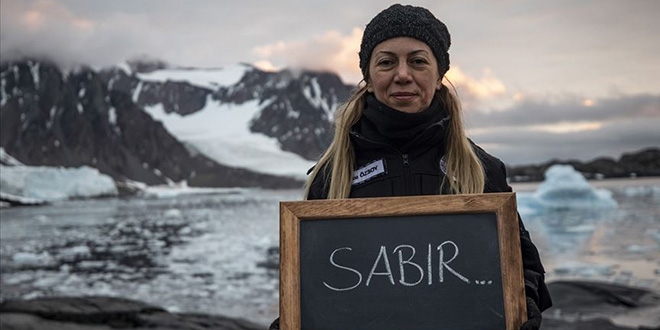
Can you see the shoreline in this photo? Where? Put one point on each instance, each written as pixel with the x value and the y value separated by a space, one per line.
pixel 578 304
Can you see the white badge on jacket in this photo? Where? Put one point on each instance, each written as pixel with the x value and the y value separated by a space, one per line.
pixel 369 171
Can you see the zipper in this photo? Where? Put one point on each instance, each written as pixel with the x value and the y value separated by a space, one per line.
pixel 407 180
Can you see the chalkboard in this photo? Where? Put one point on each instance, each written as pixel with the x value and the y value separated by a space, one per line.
pixel 424 262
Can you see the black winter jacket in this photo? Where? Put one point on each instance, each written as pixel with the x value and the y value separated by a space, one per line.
pixel 417 168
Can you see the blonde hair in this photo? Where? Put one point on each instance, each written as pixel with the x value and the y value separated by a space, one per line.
pixel 465 174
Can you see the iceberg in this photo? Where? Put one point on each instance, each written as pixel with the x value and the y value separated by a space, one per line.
pixel 564 188
pixel 41 184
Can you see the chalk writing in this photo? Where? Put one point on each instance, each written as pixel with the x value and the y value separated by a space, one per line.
pixel 410 273
pixel 332 260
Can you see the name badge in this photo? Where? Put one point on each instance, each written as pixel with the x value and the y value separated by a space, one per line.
pixel 369 171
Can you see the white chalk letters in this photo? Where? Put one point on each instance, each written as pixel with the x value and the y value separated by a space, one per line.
pixel 410 273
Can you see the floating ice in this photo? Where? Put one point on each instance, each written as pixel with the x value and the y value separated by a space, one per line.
pixel 182 189
pixel 173 213
pixel 653 191
pixel 32 259
pixel 565 188
pixel 75 252
pixel 584 269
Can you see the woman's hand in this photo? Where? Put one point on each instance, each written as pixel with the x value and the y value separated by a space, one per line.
pixel 533 316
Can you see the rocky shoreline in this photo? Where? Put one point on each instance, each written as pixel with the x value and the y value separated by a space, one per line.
pixel 101 313
pixel 645 162
pixel 577 305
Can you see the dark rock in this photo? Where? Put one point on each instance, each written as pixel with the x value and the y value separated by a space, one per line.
pixel 272 261
pixel 300 113
pixel 645 162
pixel 550 324
pixel 577 305
pixel 97 312
pixel 145 64
pixel 595 305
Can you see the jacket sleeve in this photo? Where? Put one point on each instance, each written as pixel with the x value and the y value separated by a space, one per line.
pixel 535 287
pixel 533 270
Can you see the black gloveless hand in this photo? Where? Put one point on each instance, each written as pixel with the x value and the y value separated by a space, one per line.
pixel 533 316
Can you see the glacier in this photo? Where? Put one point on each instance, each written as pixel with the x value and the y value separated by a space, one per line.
pixel 42 184
pixel 221 132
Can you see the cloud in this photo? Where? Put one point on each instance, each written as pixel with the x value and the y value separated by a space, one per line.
pixel 485 87
pixel 337 52
pixel 473 92
pixel 537 131
pixel 524 146
pixel 530 112
pixel 329 51
pixel 48 29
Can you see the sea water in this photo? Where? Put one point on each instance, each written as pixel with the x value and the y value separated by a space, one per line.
pixel 217 252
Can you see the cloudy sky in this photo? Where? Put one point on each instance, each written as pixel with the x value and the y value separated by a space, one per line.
pixel 538 79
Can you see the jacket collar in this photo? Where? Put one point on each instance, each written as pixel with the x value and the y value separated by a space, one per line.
pixel 381 125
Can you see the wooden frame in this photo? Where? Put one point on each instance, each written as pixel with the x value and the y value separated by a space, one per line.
pixel 502 204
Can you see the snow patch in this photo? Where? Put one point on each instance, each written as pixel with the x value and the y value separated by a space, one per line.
pixel 221 132
pixel 314 96
pixel 34 70
pixel 112 116
pixel 125 67
pixel 136 92
pixel 3 93
pixel 51 118
pixel 206 78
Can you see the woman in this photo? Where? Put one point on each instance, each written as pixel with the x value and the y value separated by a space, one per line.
pixel 401 132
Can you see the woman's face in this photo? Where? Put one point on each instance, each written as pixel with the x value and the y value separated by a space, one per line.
pixel 403 74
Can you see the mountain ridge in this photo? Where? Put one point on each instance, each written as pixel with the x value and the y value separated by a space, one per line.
pixel 155 123
pixel 99 119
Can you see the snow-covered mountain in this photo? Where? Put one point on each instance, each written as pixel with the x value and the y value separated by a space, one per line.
pixel 235 126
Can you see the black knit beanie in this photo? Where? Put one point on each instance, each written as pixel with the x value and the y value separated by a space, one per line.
pixel 406 21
